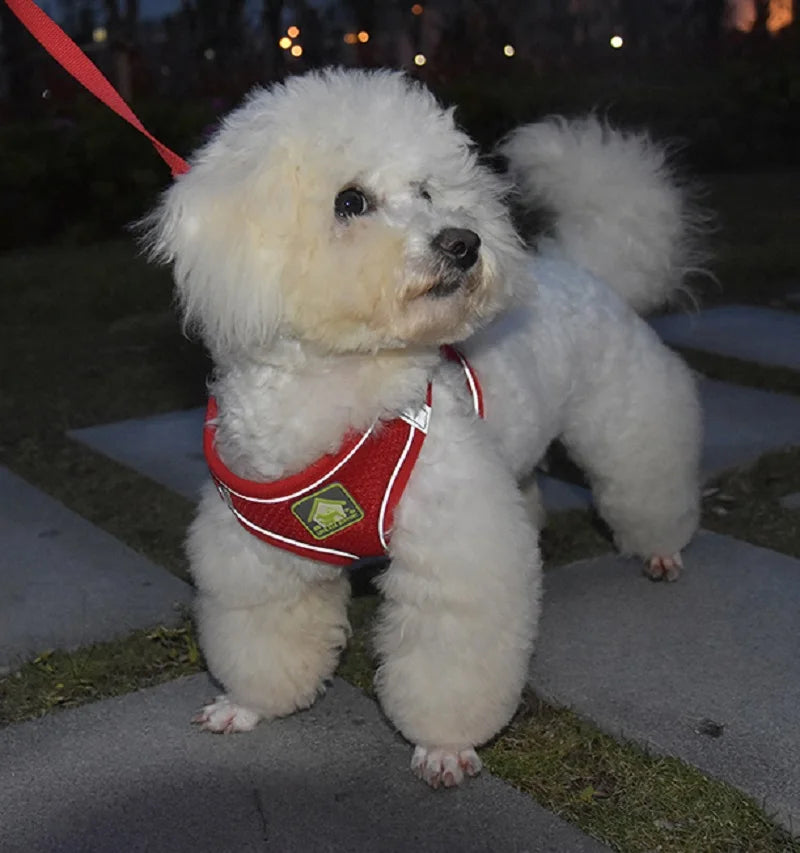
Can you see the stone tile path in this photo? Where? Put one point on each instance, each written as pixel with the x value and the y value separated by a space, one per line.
pixel 558 495
pixel 167 448
pixel 665 664
pixel 763 335
pixel 131 774
pixel 67 584
pixel 791 501
pixel 741 424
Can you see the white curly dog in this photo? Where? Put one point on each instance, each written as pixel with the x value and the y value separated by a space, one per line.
pixel 335 232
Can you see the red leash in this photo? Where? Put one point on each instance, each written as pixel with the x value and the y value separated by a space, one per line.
pixel 64 50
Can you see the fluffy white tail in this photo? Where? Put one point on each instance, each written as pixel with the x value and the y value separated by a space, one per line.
pixel 618 210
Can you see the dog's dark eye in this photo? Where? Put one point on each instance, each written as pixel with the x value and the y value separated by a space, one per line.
pixel 351 202
pixel 423 192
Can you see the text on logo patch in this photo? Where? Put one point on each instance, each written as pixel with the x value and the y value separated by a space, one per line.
pixel 327 511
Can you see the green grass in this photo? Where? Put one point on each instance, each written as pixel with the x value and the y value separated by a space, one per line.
pixel 623 796
pixel 89 337
pixel 57 679
pixel 745 503
pixel 779 379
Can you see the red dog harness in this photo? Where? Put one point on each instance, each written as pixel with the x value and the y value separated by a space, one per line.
pixel 341 508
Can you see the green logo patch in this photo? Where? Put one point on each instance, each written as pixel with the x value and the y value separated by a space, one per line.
pixel 327 511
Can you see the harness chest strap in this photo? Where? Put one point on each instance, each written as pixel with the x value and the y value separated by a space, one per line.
pixel 341 508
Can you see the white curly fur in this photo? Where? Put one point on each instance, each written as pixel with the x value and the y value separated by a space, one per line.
pixel 320 324
pixel 620 213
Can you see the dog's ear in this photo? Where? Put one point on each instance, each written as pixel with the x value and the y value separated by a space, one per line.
pixel 217 225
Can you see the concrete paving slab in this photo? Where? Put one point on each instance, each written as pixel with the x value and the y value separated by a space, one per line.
pixel 168 448
pixel 791 501
pixel 706 669
pixel 131 774
pixel 741 424
pixel 64 583
pixel 559 495
pixel 747 332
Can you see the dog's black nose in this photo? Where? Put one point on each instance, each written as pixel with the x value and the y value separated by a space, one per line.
pixel 459 246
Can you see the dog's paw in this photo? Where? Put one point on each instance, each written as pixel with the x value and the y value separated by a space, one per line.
pixel 225 717
pixel 664 568
pixel 444 767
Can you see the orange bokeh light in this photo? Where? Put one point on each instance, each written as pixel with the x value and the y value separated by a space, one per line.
pixel 743 15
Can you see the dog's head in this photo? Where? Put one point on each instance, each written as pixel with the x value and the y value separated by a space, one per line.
pixel 342 208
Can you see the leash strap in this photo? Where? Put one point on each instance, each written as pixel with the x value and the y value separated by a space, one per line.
pixel 64 50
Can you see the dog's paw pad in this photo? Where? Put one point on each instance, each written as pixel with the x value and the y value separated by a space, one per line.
pixel 664 568
pixel 225 717
pixel 445 768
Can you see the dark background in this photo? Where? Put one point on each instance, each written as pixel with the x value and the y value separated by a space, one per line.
pixel 719 78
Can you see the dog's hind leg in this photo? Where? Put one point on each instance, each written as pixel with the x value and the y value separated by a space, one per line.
pixel 271 624
pixel 633 424
pixel 456 628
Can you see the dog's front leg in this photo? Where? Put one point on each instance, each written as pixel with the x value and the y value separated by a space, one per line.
pixel 271 624
pixel 461 604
